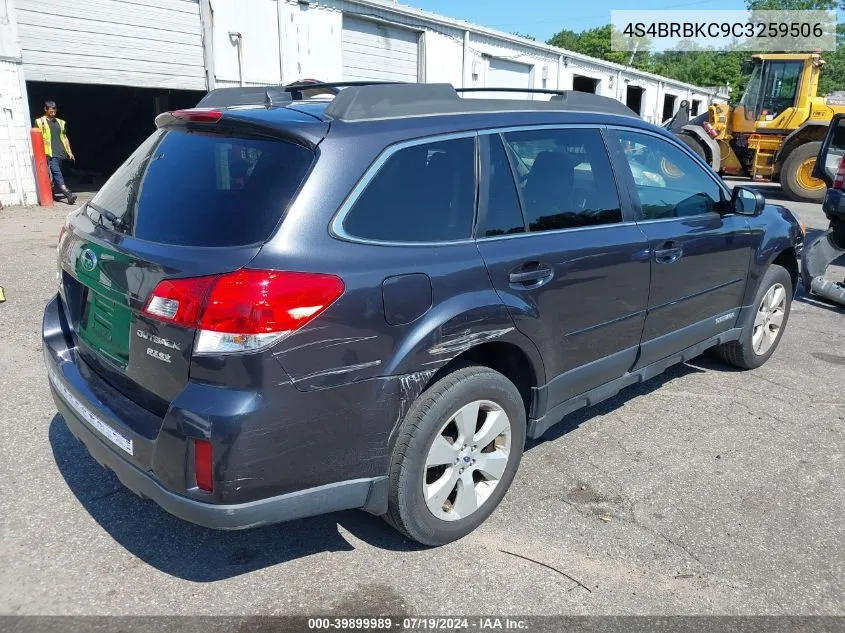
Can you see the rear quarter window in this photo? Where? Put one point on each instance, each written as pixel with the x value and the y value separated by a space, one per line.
pixel 422 193
pixel 196 188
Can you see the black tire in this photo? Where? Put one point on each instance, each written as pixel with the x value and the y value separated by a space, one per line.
pixel 695 145
pixel 407 509
pixel 789 174
pixel 741 353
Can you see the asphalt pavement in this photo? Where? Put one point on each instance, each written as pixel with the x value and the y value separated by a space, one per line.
pixel 705 490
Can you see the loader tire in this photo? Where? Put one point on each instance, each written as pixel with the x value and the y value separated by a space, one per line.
pixel 796 174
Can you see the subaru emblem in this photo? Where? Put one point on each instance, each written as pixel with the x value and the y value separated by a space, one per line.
pixel 466 458
pixel 88 259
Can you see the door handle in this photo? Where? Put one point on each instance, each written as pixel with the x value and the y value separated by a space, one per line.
pixel 668 253
pixel 530 277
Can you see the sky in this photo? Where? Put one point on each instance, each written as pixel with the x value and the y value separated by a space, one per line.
pixel 544 18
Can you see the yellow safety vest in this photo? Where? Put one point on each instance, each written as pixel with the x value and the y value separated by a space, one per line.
pixel 45 132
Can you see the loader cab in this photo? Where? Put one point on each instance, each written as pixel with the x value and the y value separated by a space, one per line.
pixel 777 84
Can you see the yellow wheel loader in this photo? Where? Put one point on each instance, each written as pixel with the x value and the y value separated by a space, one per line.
pixel 776 130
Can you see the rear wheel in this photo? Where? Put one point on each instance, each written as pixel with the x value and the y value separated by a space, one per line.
pixel 796 175
pixel 760 340
pixel 456 454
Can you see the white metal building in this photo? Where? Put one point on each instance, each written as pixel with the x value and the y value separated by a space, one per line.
pixel 113 64
pixel 17 180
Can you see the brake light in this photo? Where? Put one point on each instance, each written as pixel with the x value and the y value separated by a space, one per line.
pixel 244 310
pixel 179 300
pixel 198 115
pixel 839 179
pixel 203 465
pixel 711 131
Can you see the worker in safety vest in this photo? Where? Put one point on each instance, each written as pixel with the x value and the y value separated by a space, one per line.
pixel 57 148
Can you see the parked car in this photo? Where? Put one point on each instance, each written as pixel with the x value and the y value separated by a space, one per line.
pixel 301 306
pixel 829 246
pixel 830 168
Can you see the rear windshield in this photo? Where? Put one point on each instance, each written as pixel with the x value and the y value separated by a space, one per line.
pixel 194 188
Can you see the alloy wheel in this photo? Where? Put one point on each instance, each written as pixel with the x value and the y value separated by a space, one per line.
pixel 467 460
pixel 769 319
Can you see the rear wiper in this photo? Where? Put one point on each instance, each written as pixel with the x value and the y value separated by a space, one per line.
pixel 116 222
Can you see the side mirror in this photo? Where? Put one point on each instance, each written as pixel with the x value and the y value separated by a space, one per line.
pixel 747 201
pixel 832 151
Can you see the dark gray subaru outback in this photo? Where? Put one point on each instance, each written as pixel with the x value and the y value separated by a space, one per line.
pixel 281 306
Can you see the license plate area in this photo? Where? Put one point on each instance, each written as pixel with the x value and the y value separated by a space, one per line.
pixel 105 327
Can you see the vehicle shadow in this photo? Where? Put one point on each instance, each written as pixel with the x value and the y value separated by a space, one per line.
pixel 194 553
pixel 198 554
pixel 582 416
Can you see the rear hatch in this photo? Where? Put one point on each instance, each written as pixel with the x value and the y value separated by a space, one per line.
pixel 196 199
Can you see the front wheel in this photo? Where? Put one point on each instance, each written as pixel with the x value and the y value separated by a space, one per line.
pixel 796 175
pixel 456 454
pixel 759 341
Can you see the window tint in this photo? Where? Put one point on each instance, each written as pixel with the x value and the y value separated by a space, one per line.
pixel 201 189
pixel 667 182
pixel 119 193
pixel 422 193
pixel 565 178
pixel 498 194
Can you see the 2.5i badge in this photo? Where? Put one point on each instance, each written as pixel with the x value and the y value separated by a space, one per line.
pixel 158 355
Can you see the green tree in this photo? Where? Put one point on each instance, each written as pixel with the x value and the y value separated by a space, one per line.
pixel 596 42
pixel 792 5
pixel 833 72
pixel 566 39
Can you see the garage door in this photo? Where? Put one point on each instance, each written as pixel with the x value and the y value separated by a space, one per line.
pixel 503 73
pixel 376 51
pixel 148 44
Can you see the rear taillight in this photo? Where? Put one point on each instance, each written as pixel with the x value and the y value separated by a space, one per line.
pixel 203 465
pixel 839 179
pixel 711 131
pixel 179 300
pixel 198 115
pixel 244 310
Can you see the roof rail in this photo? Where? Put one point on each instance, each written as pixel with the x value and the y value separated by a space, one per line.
pixel 387 101
pixel 271 96
pixel 391 100
pixel 368 100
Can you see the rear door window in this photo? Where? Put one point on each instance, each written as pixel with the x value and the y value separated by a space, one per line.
pixel 195 188
pixel 499 209
pixel 565 178
pixel 422 193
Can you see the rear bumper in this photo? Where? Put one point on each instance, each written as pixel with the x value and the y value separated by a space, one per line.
pixel 295 505
pixel 115 437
